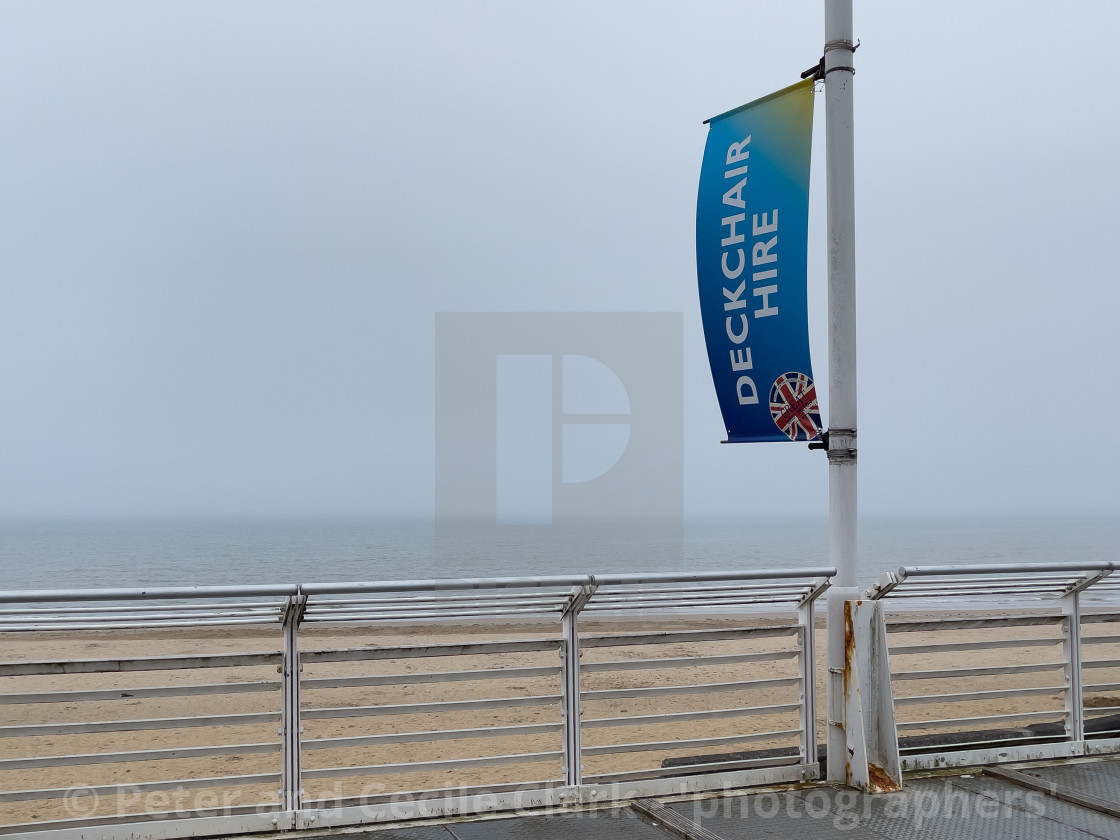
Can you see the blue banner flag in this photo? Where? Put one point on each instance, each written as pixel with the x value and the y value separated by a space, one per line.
pixel 752 219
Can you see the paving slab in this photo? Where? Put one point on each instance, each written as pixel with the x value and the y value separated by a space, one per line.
pixel 970 806
pixel 620 823
pixel 1099 779
pixel 940 808
pixel 780 816
pixel 424 832
pixel 1009 808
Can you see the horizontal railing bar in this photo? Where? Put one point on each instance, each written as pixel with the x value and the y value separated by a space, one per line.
pixel 117 617
pixel 1101 687
pixel 1101 663
pixel 980 595
pixel 429 708
pixel 132 693
pixel 983 585
pixel 1005 718
pixel 999 579
pixel 319 602
pixel 430 735
pixel 358 617
pixel 980 581
pixel 429 677
pixel 421 766
pixel 131 607
pixel 186 621
pixel 1099 618
pixel 135 755
pixel 140 787
pixel 692 769
pixel 960 745
pixel 405 601
pixel 988 577
pixel 676 588
pixel 681 636
pixel 702 577
pixel 982 589
pixel 664 690
pixel 977 695
pixel 150 663
pixel 693 743
pixel 742 591
pixel 147 594
pixel 1004 568
pixel 434 607
pixel 699 599
pixel 444 793
pixel 313 589
pixel 958 623
pixel 690 604
pixel 1100 640
pixel 450 584
pixel 685 661
pixel 256 815
pixel 729 596
pixel 418 651
pixel 502 610
pixel 446 585
pixel 947 673
pixel 902 650
pixel 1047 583
pixel 34 730
pixel 673 717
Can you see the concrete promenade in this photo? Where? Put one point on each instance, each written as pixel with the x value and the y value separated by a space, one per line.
pixel 1074 800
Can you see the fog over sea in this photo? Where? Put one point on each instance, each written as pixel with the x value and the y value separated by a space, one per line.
pixel 41 553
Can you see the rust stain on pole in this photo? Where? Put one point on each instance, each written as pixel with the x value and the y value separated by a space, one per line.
pixel 849 644
pixel 880 781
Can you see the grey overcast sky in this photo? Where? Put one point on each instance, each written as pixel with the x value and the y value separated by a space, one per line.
pixel 226 228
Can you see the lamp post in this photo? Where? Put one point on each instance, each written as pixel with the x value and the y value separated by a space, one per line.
pixel 839 50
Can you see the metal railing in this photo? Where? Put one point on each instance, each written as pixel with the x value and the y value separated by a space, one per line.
pixel 210 710
pixel 77 731
pixel 1024 694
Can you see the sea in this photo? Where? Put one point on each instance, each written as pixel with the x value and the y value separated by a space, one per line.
pixel 59 553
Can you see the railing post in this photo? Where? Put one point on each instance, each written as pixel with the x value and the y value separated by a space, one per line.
pixel 1071 652
pixel 573 750
pixel 808 669
pixel 291 791
pixel 870 747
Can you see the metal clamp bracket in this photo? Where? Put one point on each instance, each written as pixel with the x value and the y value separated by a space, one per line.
pixel 817 71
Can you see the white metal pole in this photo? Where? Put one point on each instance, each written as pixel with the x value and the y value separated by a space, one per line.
pixel 839 69
pixel 841 289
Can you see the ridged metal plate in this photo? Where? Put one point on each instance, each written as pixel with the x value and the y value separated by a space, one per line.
pixel 1100 779
pixel 622 823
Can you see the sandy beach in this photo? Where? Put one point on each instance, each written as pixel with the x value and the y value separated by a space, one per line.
pixel 30 647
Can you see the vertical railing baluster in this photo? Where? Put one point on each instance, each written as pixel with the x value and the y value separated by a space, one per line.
pixel 291 792
pixel 573 749
pixel 1071 652
pixel 807 664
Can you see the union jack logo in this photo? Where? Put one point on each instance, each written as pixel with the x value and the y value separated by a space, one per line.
pixel 793 404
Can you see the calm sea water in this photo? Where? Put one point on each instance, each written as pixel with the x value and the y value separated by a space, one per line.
pixel 72 553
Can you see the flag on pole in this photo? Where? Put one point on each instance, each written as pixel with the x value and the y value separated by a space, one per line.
pixel 752 219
